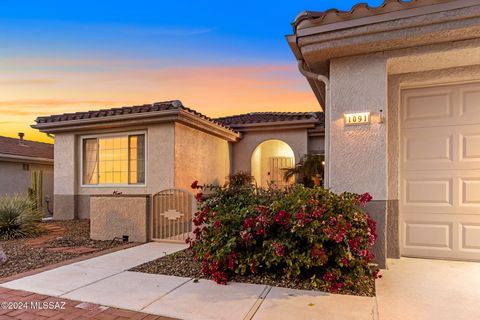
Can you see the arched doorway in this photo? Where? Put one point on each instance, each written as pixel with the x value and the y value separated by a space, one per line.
pixel 269 159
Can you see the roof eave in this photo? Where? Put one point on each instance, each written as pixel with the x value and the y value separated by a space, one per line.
pixel 277 125
pixel 138 119
pixel 20 158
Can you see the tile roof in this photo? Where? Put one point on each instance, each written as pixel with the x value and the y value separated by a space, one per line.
pixel 269 117
pixel 25 148
pixel 157 106
pixel 361 10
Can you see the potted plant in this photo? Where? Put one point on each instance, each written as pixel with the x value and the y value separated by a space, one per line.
pixel 309 170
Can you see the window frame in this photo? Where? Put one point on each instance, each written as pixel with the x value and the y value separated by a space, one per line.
pixel 109 135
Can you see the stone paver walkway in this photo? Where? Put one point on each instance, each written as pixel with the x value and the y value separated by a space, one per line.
pixel 36 307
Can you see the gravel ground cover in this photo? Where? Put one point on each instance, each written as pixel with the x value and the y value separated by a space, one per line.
pixel 69 240
pixel 183 264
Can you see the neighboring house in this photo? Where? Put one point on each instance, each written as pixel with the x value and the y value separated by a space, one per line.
pixel 415 67
pixel 143 150
pixel 18 159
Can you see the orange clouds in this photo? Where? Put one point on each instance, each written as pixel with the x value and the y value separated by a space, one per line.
pixel 60 86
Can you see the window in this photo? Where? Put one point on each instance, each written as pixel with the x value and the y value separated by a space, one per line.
pixel 114 160
pixel 26 167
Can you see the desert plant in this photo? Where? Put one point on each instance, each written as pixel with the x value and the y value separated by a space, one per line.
pixel 309 170
pixel 35 192
pixel 307 234
pixel 18 217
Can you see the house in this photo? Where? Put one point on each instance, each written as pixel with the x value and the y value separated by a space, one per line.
pixel 19 159
pixel 141 151
pixel 271 141
pixel 400 85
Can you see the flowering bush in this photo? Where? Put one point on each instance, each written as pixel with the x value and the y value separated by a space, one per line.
pixel 309 234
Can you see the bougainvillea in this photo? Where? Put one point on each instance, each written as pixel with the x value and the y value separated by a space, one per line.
pixel 310 234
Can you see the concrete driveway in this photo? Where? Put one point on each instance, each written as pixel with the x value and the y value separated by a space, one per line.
pixel 429 289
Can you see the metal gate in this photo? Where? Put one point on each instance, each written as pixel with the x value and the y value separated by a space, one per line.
pixel 276 173
pixel 172 215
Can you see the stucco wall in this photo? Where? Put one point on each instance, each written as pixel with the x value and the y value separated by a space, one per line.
pixel 243 150
pixel 358 159
pixel 199 156
pixel 316 144
pixel 65 177
pixel 115 216
pixel 17 181
pixel 358 154
pixel 72 200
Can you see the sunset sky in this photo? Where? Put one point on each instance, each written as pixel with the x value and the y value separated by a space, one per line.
pixel 218 57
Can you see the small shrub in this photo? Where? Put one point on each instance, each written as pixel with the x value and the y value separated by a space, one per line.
pixel 18 217
pixel 309 234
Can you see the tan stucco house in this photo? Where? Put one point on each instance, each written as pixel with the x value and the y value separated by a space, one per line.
pixel 400 86
pixel 137 152
pixel 19 158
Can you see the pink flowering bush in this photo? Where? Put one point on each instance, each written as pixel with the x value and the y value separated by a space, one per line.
pixel 308 234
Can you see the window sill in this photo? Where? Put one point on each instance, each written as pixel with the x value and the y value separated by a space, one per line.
pixel 113 186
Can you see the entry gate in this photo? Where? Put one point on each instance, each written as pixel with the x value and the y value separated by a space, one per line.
pixel 172 215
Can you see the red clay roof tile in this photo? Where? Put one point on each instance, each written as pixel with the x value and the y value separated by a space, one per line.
pixel 25 148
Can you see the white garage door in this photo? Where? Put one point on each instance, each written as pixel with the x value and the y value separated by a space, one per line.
pixel 440 172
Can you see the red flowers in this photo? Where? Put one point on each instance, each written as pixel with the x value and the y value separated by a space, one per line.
pixel 282 218
pixel 317 252
pixel 344 261
pixel 279 249
pixel 246 237
pixel 302 219
pixel 329 276
pixel 310 235
pixel 363 199
pixel 249 222
pixel 199 197
pixel 195 185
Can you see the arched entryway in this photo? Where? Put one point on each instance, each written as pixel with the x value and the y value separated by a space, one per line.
pixel 269 159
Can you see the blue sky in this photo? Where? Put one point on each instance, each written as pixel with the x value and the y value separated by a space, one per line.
pixel 218 31
pixel 219 57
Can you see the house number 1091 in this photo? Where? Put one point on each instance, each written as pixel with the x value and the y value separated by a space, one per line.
pixel 357 118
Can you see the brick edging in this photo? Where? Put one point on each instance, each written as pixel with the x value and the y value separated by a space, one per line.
pixel 69 261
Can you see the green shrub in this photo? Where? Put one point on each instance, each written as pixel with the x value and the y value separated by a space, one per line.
pixel 18 217
pixel 309 234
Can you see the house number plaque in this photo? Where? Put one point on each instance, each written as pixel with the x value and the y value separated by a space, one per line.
pixel 357 118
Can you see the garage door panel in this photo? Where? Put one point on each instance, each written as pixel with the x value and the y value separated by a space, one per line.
pixel 470 103
pixel 470 147
pixel 428 192
pixel 440 172
pixel 427 104
pixel 470 237
pixel 441 148
pixel 470 192
pixel 422 234
pixel 422 147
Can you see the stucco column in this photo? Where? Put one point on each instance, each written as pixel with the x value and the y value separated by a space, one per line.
pixel 65 175
pixel 358 153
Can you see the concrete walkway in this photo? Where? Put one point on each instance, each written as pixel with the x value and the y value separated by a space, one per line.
pixel 104 281
pixel 429 289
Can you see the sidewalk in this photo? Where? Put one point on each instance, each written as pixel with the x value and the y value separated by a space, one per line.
pixel 104 281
